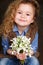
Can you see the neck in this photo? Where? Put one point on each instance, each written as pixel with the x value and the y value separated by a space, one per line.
pixel 21 29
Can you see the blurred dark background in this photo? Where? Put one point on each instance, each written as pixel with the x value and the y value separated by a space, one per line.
pixel 3 6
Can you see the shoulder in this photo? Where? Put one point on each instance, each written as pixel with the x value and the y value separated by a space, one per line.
pixel 36 35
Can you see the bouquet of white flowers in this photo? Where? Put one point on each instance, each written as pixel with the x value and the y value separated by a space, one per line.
pixel 21 44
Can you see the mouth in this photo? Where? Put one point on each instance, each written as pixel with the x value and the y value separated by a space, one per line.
pixel 22 20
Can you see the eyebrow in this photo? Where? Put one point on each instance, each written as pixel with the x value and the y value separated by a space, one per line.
pixel 26 12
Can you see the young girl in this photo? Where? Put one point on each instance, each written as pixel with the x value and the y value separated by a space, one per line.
pixel 20 19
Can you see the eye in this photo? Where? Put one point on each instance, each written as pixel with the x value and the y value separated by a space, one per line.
pixel 19 12
pixel 28 14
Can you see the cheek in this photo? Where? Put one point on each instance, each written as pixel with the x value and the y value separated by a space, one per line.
pixel 16 18
pixel 17 15
pixel 29 20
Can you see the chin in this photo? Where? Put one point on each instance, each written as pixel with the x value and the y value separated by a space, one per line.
pixel 23 25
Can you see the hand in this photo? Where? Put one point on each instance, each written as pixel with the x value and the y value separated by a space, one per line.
pixel 31 52
pixel 9 51
pixel 21 56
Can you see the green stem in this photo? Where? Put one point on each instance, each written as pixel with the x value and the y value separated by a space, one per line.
pixel 22 62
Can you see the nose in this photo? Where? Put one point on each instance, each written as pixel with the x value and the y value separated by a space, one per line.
pixel 23 15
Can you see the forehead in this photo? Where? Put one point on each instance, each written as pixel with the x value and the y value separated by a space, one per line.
pixel 26 7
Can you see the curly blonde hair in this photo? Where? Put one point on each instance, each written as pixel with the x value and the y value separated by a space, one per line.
pixel 8 21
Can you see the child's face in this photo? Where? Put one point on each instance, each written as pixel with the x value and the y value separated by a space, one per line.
pixel 24 15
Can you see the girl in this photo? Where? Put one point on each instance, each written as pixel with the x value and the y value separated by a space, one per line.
pixel 20 19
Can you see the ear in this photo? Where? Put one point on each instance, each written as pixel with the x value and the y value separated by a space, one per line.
pixel 32 21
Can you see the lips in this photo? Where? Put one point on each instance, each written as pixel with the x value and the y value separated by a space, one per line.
pixel 22 20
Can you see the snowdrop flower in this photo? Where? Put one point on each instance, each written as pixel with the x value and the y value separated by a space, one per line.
pixel 21 44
